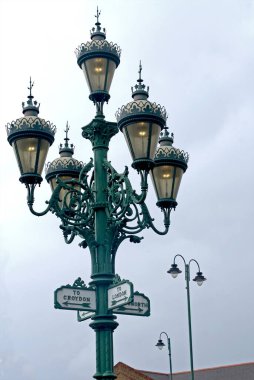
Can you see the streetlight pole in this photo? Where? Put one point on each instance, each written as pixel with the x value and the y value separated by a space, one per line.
pixel 160 345
pixel 92 200
pixel 199 278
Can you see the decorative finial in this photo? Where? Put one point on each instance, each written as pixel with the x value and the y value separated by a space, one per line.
pixel 98 33
pixel 140 91
pixel 97 16
pixel 140 80
pixel 30 108
pixel 66 134
pixel 31 84
pixel 66 150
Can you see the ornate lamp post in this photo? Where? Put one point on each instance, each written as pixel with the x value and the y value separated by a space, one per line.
pixel 199 279
pixel 161 345
pixel 92 200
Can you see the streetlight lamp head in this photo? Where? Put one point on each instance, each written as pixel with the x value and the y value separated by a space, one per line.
pixel 65 168
pixel 199 278
pixel 174 270
pixel 170 164
pixel 30 136
pixel 98 59
pixel 141 123
pixel 160 344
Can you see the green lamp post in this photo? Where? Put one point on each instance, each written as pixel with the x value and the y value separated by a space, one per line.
pixel 199 279
pixel 160 344
pixel 93 201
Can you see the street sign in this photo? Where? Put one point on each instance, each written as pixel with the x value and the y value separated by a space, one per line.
pixel 120 294
pixel 83 315
pixel 140 306
pixel 75 298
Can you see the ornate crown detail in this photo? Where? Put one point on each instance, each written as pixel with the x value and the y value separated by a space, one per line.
pixel 30 123
pixel 140 106
pixel 96 45
pixel 64 163
pixel 171 152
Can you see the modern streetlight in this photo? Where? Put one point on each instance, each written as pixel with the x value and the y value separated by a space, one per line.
pixel 199 279
pixel 160 344
pixel 92 200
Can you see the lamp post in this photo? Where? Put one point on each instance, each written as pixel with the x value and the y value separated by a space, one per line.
pixel 160 346
pixel 199 279
pixel 92 200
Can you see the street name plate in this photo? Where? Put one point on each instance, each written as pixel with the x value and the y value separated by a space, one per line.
pixel 120 294
pixel 71 298
pixel 83 315
pixel 140 306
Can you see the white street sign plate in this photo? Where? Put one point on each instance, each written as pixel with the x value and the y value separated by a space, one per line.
pixel 120 294
pixel 83 315
pixel 72 298
pixel 140 306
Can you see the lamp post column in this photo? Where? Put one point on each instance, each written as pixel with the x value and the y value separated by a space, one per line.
pixel 160 345
pixel 170 359
pixel 187 278
pixel 99 132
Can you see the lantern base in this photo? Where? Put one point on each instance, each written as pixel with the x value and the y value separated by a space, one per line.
pixel 166 203
pixel 30 179
pixel 99 96
pixel 143 164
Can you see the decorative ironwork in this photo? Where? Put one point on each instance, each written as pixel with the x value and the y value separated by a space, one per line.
pixel 79 283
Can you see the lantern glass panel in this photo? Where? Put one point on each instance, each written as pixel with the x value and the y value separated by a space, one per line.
pixel 99 73
pixel 142 138
pixel 167 179
pixel 31 154
pixel 64 195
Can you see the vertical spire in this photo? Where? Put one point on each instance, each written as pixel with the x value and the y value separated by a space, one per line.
pixel 66 150
pixel 31 84
pixel 97 16
pixel 97 33
pixel 140 91
pixel 140 80
pixel 30 108
pixel 66 139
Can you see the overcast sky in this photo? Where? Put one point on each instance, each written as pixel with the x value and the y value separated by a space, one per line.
pixel 198 59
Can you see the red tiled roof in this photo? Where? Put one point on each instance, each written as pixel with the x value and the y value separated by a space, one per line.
pixel 242 371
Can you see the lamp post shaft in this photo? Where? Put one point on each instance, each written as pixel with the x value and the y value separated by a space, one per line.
pixel 170 359
pixel 187 277
pixel 102 267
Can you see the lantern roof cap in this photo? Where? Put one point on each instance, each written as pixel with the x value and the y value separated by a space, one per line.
pixel 166 151
pixel 65 164
pixel 166 138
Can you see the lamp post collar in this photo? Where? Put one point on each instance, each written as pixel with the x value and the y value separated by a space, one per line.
pixel 31 107
pixel 140 91
pixel 98 33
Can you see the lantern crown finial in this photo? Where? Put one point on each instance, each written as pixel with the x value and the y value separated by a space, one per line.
pixel 140 91
pixel 98 33
pixel 31 107
pixel 66 150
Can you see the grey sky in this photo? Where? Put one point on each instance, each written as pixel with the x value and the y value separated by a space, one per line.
pixel 197 58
